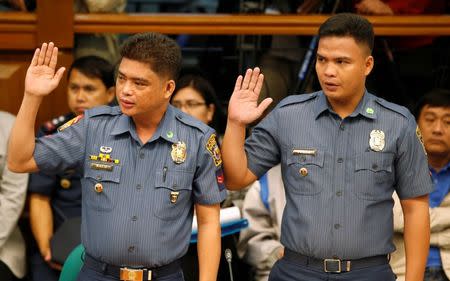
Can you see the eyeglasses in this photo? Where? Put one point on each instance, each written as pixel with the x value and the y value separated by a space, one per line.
pixel 190 104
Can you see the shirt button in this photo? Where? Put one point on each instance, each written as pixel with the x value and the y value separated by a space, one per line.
pixel 134 218
pixel 374 166
pixel 342 127
pixel 340 160
pixel 339 193
pixel 142 155
pixel 131 249
pixel 337 226
pixel 138 186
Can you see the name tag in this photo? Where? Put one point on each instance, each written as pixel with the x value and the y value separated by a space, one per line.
pixel 304 152
pixel 104 167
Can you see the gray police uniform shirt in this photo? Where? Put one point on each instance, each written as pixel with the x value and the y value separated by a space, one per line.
pixel 137 203
pixel 339 175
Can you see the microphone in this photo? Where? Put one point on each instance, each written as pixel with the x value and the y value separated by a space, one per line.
pixel 228 257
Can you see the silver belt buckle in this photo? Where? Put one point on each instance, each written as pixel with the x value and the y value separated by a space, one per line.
pixel 325 265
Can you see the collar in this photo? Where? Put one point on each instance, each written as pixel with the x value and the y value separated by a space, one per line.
pixel 443 170
pixel 366 106
pixel 166 128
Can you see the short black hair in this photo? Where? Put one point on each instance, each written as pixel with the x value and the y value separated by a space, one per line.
pixel 161 52
pixel 94 67
pixel 435 98
pixel 347 24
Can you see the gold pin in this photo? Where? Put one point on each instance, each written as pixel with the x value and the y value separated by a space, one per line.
pixel 174 196
pixel 303 171
pixel 65 183
pixel 98 187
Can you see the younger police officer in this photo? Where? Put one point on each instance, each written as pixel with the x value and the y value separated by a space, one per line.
pixel 343 152
pixel 57 198
pixel 145 164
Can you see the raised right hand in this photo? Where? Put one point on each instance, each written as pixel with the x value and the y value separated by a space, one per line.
pixel 41 78
pixel 243 107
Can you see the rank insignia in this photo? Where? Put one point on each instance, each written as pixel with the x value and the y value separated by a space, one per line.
pixel 178 152
pixel 214 150
pixel 376 141
pixel 70 122
pixel 174 196
pixel 419 136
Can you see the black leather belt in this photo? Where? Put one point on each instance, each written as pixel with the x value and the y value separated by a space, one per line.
pixel 131 273
pixel 334 265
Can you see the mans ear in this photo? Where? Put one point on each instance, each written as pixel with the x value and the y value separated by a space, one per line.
pixel 170 87
pixel 111 93
pixel 368 65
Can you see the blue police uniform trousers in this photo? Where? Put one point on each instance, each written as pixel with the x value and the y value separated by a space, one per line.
pixel 285 270
pixel 89 274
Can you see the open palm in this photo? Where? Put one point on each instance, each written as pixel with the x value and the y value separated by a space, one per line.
pixel 243 106
pixel 41 78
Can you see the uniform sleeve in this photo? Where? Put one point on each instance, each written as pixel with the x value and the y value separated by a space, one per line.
pixel 413 177
pixel 42 183
pixel 63 150
pixel 259 244
pixel 209 187
pixel 262 147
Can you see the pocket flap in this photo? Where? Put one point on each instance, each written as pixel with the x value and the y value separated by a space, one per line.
pixel 174 179
pixel 307 159
pixel 374 161
pixel 112 175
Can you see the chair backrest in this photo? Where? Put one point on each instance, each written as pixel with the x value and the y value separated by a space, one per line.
pixel 73 264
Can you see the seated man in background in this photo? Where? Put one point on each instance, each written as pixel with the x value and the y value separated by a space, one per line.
pixel 259 244
pixel 433 118
pixel 57 198
pixel 12 198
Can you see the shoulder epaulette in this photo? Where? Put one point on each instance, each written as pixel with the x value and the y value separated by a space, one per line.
pixel 191 121
pixel 394 107
pixel 104 110
pixel 293 99
pixel 51 126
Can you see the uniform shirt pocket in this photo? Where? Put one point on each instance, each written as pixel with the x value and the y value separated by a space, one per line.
pixel 100 188
pixel 304 172
pixel 173 192
pixel 374 176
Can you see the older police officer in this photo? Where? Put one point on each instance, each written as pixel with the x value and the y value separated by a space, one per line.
pixel 145 164
pixel 343 152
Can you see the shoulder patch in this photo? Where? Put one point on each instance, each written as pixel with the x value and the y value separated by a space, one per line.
pixel 191 121
pixel 419 136
pixel 214 150
pixel 394 107
pixel 70 122
pixel 51 126
pixel 293 99
pixel 104 110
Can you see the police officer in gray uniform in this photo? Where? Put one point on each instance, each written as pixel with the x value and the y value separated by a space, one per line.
pixel 145 165
pixel 56 199
pixel 343 152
